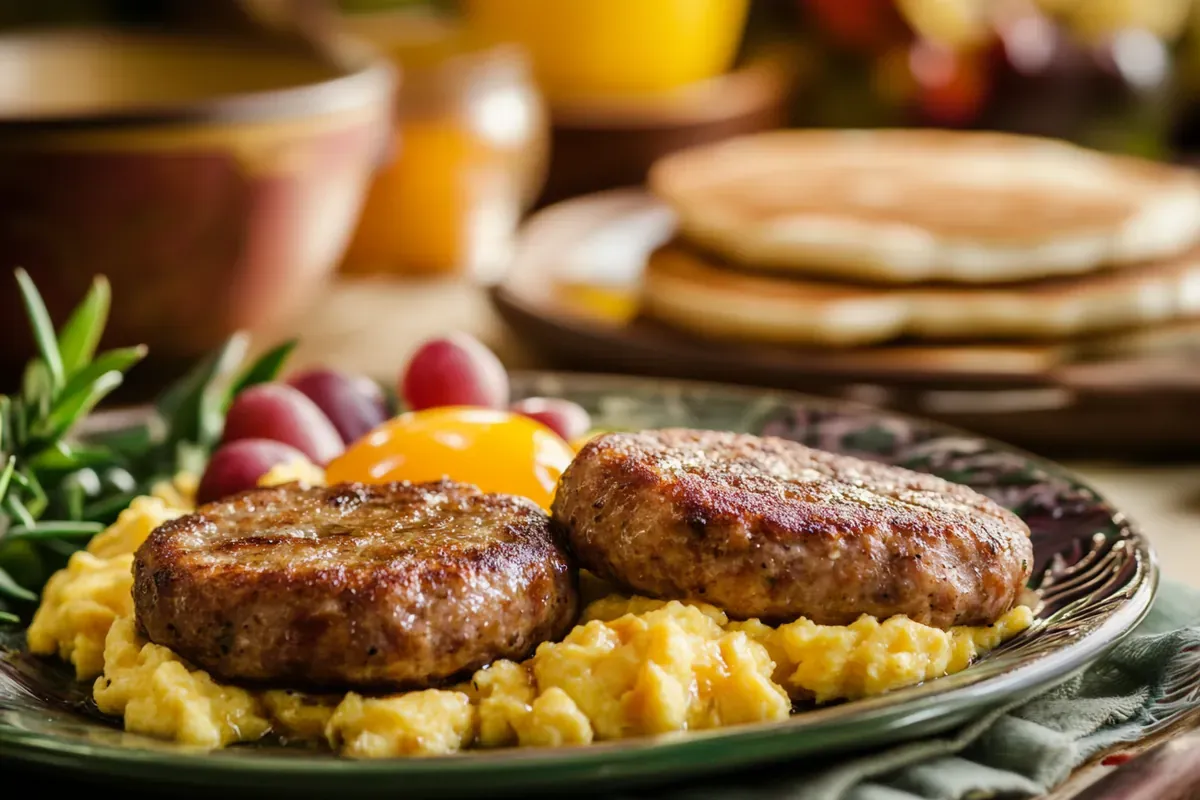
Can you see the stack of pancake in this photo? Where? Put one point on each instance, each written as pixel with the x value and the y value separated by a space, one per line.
pixel 946 245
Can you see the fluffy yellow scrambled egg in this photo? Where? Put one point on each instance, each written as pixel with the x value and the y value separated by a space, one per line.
pixel 159 694
pixel 81 601
pixel 632 666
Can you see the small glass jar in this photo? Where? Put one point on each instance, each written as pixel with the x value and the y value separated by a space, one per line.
pixel 470 153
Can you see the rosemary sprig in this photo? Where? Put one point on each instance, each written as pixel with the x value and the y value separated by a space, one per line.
pixel 57 490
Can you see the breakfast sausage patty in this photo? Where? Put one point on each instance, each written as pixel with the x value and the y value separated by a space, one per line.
pixel 391 586
pixel 766 527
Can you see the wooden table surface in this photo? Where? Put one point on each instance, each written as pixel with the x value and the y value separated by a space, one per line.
pixel 372 324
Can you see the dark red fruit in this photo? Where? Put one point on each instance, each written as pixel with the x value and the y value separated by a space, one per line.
pixel 282 413
pixel 456 370
pixel 569 420
pixel 239 465
pixel 353 403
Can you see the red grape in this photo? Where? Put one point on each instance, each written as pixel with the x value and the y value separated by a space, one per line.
pixel 866 26
pixel 282 413
pixel 457 370
pixel 569 420
pixel 238 465
pixel 353 403
pixel 953 86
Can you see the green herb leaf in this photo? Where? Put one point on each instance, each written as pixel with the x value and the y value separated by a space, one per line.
pixel 215 397
pixel 9 619
pixel 43 328
pixel 129 442
pixel 391 399
pixel 63 457
pixel 106 509
pixel 73 499
pixel 20 423
pixel 35 503
pixel 24 563
pixel 55 529
pixel 36 388
pixel 119 360
pixel 6 426
pixel 265 368
pixel 63 548
pixel 11 588
pixel 181 405
pixel 6 475
pixel 81 334
pixel 190 457
pixel 76 407
pixel 17 509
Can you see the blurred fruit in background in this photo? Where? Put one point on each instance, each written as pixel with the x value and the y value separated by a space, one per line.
pixel 588 48
pixel 1099 72
pixel 1186 130
pixel 469 151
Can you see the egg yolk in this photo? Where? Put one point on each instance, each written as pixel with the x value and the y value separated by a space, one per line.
pixel 498 451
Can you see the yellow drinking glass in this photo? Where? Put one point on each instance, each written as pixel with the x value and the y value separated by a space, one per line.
pixel 588 48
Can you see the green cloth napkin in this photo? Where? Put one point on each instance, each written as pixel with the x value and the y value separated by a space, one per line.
pixel 1020 751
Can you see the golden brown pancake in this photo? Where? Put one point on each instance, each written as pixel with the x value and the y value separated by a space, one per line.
pixel 1017 359
pixel 906 206
pixel 693 292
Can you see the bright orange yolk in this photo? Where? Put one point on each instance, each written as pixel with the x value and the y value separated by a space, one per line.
pixel 498 451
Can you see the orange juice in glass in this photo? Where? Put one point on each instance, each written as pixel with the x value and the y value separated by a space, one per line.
pixel 470 151
pixel 598 48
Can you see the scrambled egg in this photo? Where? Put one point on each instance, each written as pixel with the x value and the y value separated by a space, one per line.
pixel 81 601
pixel 666 667
pixel 632 666
pixel 303 472
pixel 161 695
pixel 417 723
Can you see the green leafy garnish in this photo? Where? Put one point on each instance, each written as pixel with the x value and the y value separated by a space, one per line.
pixel 81 335
pixel 43 330
pixel 264 369
pixel 14 590
pixel 56 490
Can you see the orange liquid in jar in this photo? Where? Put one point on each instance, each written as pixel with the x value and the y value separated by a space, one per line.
pixel 452 194
pixel 417 214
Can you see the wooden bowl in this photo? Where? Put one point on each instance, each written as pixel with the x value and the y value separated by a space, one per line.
pixel 213 180
pixel 604 144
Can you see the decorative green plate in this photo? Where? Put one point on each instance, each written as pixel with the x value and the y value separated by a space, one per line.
pixel 1095 577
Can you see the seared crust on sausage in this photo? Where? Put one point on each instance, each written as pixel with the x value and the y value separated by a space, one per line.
pixel 391 586
pixel 765 527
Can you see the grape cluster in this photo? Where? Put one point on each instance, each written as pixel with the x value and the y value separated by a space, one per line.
pixel 315 414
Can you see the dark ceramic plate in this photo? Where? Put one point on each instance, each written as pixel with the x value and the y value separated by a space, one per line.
pixel 1095 577
pixel 570 294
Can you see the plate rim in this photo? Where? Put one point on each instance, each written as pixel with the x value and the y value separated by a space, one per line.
pixel 640 757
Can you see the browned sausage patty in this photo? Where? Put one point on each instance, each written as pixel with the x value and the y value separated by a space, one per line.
pixel 391 586
pixel 768 528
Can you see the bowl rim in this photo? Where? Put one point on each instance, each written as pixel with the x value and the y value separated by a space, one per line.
pixel 361 76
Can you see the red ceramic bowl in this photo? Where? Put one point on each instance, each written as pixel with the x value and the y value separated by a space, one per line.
pixel 215 182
